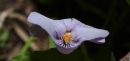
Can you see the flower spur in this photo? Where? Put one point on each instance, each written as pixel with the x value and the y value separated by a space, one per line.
pixel 67 34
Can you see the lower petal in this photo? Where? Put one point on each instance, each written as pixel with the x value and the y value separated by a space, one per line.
pixel 64 50
pixel 98 40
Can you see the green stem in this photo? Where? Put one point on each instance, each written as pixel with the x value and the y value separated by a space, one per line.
pixel 26 46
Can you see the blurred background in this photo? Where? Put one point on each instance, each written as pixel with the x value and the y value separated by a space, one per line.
pixel 111 15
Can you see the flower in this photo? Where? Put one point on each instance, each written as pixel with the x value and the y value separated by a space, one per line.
pixel 67 34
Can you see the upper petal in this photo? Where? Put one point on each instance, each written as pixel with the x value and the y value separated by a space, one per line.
pixel 72 23
pixel 92 34
pixel 45 23
pixel 42 21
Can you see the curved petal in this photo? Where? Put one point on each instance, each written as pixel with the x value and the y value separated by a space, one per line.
pixel 72 23
pixel 42 21
pixel 99 40
pixel 45 23
pixel 37 31
pixel 91 34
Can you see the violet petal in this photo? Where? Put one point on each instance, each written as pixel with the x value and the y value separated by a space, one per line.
pixel 91 34
pixel 72 23
pixel 99 40
pixel 64 50
pixel 45 23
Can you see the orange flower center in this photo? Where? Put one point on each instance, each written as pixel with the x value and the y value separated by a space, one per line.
pixel 67 37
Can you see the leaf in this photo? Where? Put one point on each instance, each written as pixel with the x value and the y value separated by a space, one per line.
pixel 21 58
pixel 112 57
pixel 128 1
pixel 50 55
pixel 55 55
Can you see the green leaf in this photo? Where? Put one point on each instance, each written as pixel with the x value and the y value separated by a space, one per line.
pixel 50 55
pixel 112 57
pixel 55 55
pixel 21 58
pixel 128 1
pixel 51 43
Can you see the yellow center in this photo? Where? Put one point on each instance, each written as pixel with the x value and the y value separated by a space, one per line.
pixel 67 37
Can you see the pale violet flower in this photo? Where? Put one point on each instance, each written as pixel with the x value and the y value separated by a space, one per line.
pixel 67 34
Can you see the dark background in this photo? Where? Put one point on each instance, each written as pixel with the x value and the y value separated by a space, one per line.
pixel 111 15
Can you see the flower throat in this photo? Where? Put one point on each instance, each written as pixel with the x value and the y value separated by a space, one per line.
pixel 67 37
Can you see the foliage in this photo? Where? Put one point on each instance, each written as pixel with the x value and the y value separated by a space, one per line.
pixel 49 55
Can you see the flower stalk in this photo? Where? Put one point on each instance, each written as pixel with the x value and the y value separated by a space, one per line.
pixel 26 46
